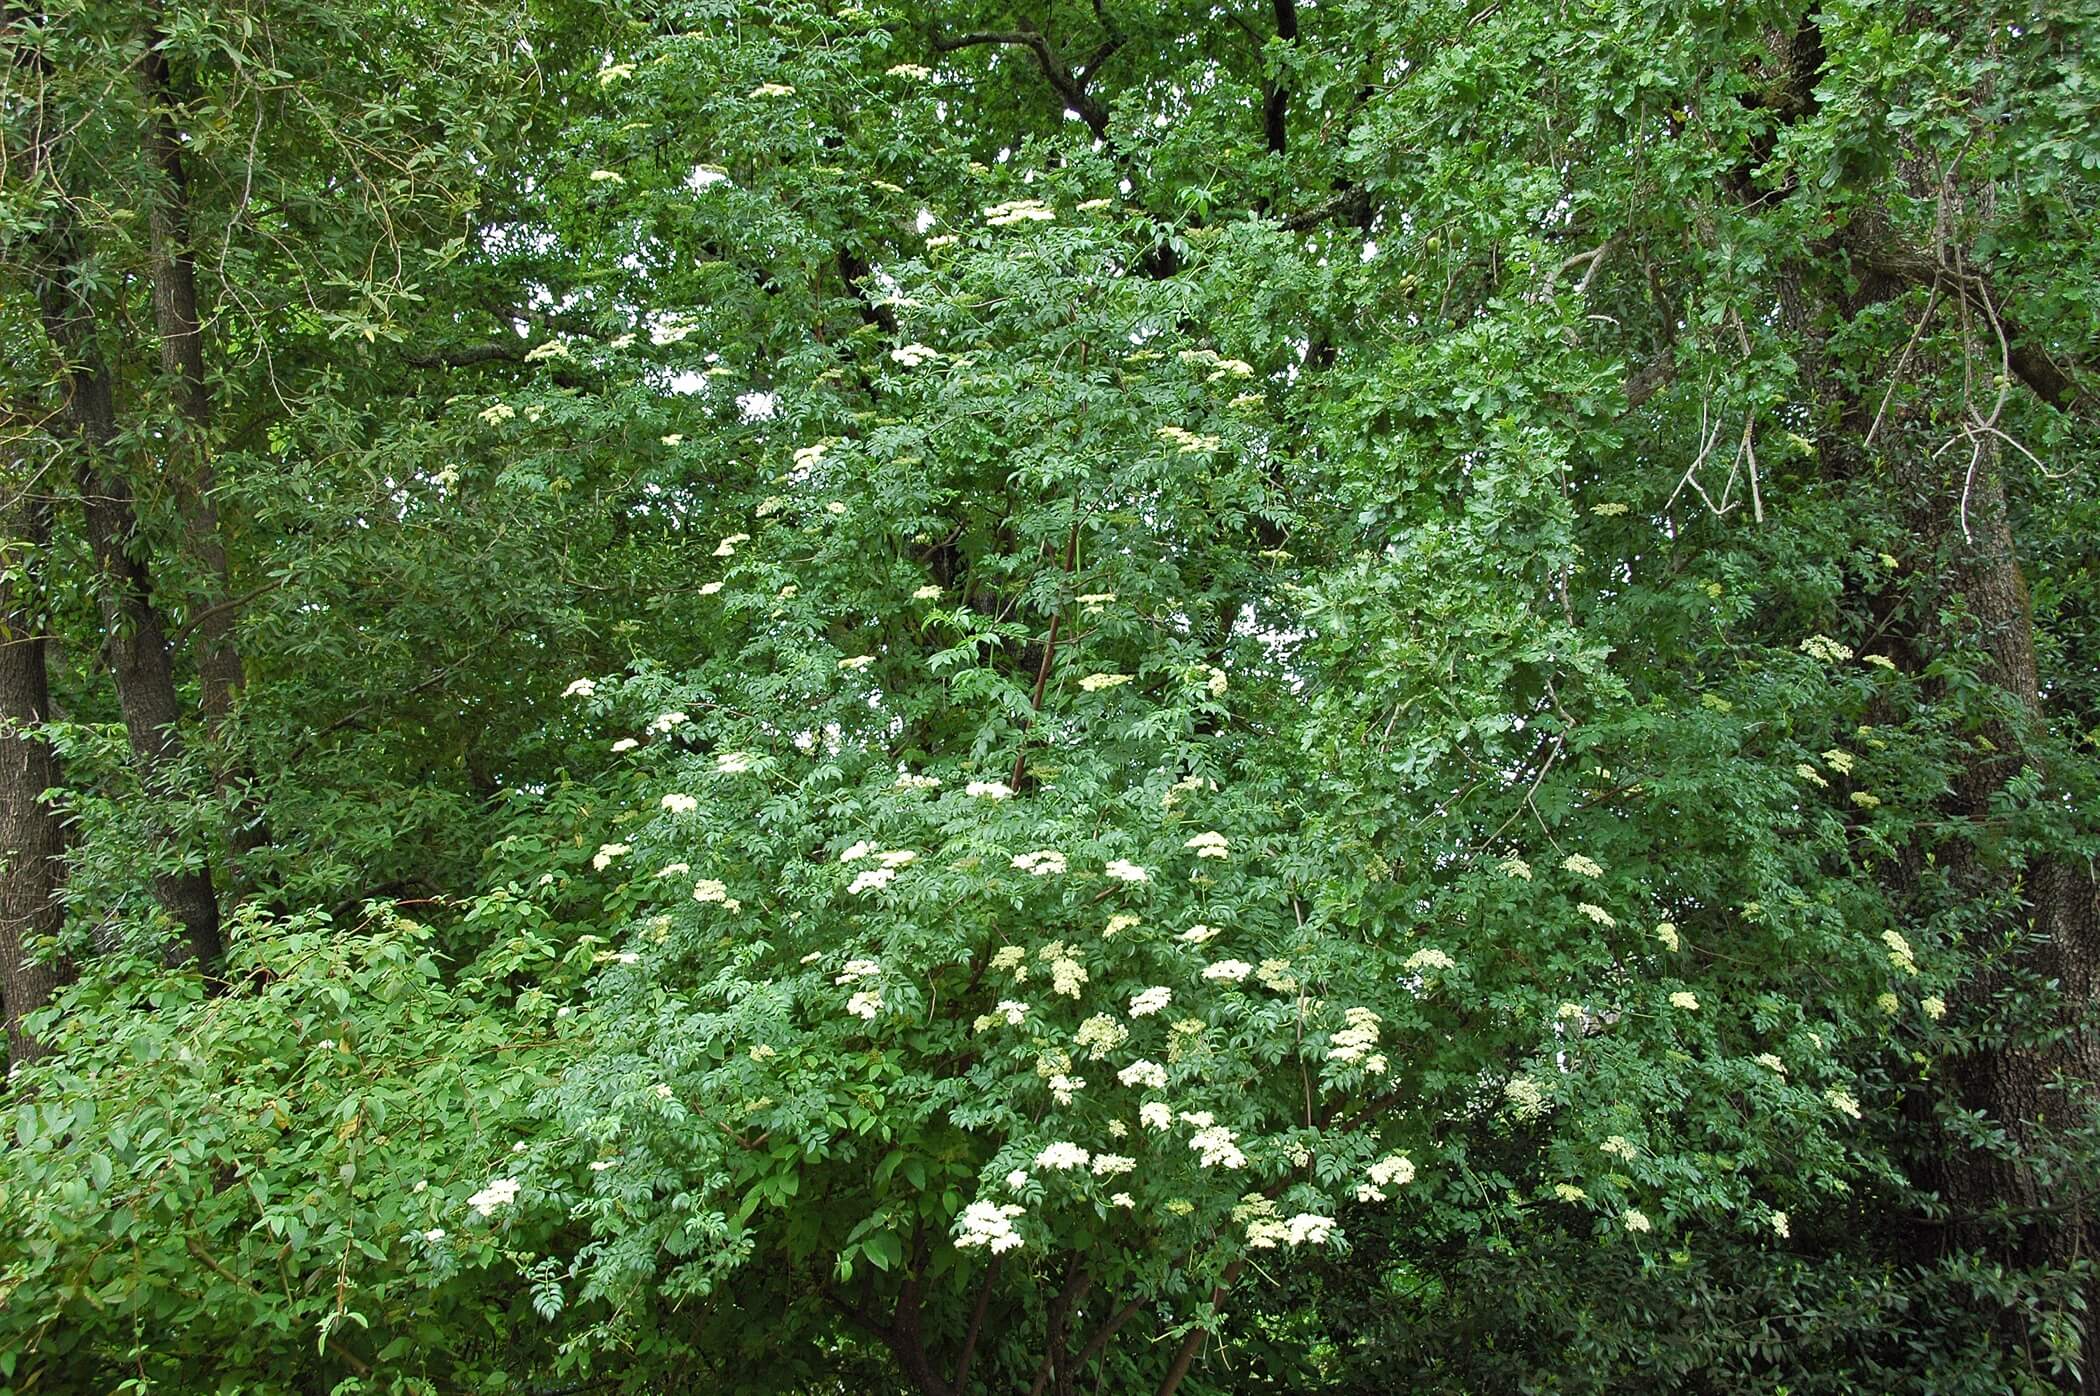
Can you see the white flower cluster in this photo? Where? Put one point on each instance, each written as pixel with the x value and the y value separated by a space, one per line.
pixel 1189 442
pixel 1018 211
pixel 1826 649
pixel 988 1224
pixel 1094 683
pixel 1150 1001
pixel 1215 1145
pixel 988 790
pixel 1230 971
pixel 1354 1042
pixel 1100 1035
pixel 1527 1098
pixel 500 1192
pixel 1394 1170
pixel 1209 844
pixel 1430 958
pixel 1041 863
pixel 1150 1075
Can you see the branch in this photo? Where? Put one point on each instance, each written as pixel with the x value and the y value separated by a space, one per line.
pixel 1069 87
pixel 470 355
pixel 2030 362
pixel 1353 202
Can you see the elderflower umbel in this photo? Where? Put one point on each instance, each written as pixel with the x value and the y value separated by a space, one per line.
pixel 1093 683
pixel 865 1004
pixel 1216 1147
pixel 1636 1220
pixel 500 1192
pixel 1685 1000
pixel 988 1224
pixel 1826 649
pixel 1354 1041
pixel 1041 863
pixel 1156 1114
pixel 1231 971
pixel 1018 211
pixel 709 889
pixel 1209 844
pixel 1584 867
pixel 1150 1001
pixel 1667 934
pixel 1841 1102
pixel 680 804
pixel 1062 1155
pixel 1515 867
pixel 1935 1007
pixel 1430 958
pixel 1100 1035
pixel 929 592
pixel 873 880
pixel 988 790
pixel 582 688
pixel 1123 870
pixel 1150 1075
pixel 1527 1099
pixel 603 858
pixel 1117 924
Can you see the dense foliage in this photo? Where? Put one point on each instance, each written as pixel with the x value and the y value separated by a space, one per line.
pixel 789 697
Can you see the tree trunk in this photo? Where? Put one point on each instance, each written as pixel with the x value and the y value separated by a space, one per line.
pixel 32 844
pixel 135 643
pixel 2016 1083
pixel 180 325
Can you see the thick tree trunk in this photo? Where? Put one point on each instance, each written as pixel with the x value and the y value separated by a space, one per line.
pixel 135 643
pixel 32 844
pixel 180 325
pixel 2030 1083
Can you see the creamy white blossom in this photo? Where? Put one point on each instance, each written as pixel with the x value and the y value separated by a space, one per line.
pixel 1150 1001
pixel 500 1192
pixel 988 1224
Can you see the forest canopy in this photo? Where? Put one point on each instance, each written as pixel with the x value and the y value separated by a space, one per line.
pixel 1120 696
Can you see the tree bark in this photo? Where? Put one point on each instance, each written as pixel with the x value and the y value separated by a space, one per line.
pixel 32 843
pixel 180 325
pixel 135 643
